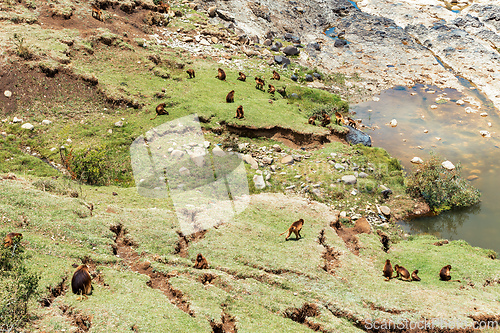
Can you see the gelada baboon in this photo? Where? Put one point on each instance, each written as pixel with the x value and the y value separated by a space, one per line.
pixel 165 7
pixel 384 239
pixel 242 77
pixel 351 122
pixel 312 120
pixel 81 283
pixel 160 110
pixel 326 120
pixel 339 119
pixel 221 75
pixel 402 272
pixel 201 262
pixel 276 76
pixel 191 73
pixel 388 270
pixel 282 91
pixel 414 276
pixel 271 89
pixel 295 228
pixel 9 239
pixel 230 97
pixel 96 12
pixel 259 83
pixel 239 112
pixel 444 274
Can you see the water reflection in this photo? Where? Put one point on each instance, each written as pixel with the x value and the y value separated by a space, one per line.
pixel 449 123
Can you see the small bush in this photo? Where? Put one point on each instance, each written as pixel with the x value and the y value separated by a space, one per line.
pixel 440 188
pixel 17 287
pixel 89 166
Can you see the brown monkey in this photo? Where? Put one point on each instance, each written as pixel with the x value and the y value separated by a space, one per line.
pixel 414 276
pixel 160 110
pixel 239 112
pixel 9 239
pixel 312 120
pixel 259 83
pixel 165 7
pixel 221 75
pixel 351 122
pixel 201 262
pixel 276 76
pixel 444 274
pixel 339 119
pixel 271 89
pixel 403 272
pixel 230 97
pixel 388 270
pixel 242 77
pixel 191 73
pixel 81 283
pixel 326 120
pixel 384 239
pixel 295 228
pixel 282 91
pixel 96 12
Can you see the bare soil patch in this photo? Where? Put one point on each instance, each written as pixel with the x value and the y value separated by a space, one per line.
pixel 158 280
pixel 54 292
pixel 183 244
pixel 300 315
pixel 331 256
pixel 226 325
pixel 82 321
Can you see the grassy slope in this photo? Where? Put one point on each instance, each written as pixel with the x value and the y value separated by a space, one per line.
pixel 259 275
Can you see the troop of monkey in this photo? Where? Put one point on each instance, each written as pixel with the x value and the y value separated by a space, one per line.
pixel 444 273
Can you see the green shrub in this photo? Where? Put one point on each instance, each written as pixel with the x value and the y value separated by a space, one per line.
pixel 441 189
pixel 89 166
pixel 17 287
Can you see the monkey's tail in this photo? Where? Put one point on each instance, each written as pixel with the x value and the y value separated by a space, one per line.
pixel 153 117
pixel 283 233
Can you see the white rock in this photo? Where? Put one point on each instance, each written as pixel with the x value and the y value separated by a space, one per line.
pixel 46 122
pixel 7 93
pixel 448 165
pixel 287 159
pixel 484 114
pixel 376 99
pixel 206 144
pixel 17 120
pixel 437 138
pixel 177 153
pixel 349 179
pixel 110 131
pixel 433 106
pixel 343 214
pixel 385 210
pixel 184 171
pixel 204 42
pixel 259 182
pixel 485 134
pixel 217 151
pixel 426 131
pixel 416 160
pixel 393 123
pixel 119 123
pixel 27 126
pixel 460 102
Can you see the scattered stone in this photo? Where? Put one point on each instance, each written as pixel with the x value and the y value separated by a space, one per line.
pixel 204 42
pixel 416 160
pixel 393 123
pixel 448 165
pixel 212 11
pixel 433 106
pixel 472 177
pixel 225 15
pixel 287 159
pixel 484 114
pixel 362 175
pixel 277 148
pixel 17 120
pixel 7 93
pixel 268 42
pixel 317 75
pixel 460 102
pixel 119 124
pixel 46 122
pixel 291 50
pixel 27 126
pixel 339 166
pixel 184 171
pixel 314 46
pixel 206 144
pixel 267 160
pixel 291 187
pixel 259 182
pixel 385 210
pixel 340 43
pixel 349 179
pixel 485 134
pixel 309 78
pixel 294 78
pixel 217 151
pixel 250 160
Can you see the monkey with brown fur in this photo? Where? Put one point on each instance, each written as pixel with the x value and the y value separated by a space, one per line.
pixel 295 228
pixel 444 274
pixel 239 112
pixel 339 119
pixel 276 76
pixel 326 120
pixel 282 91
pixel 230 97
pixel 259 83
pixel 388 270
pixel 312 120
pixel 414 276
pixel 81 283
pixel 164 7
pixel 160 110
pixel 221 75
pixel 96 12
pixel 9 239
pixel 351 122
pixel 242 77
pixel 201 262
pixel 271 89
pixel 191 73
pixel 402 272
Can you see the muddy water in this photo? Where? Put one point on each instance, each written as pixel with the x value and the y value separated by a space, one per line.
pixel 429 122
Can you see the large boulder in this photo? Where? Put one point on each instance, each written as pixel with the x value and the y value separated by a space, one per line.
pixel 355 136
pixel 291 50
pixel 349 179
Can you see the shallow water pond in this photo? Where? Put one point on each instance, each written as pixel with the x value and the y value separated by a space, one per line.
pixel 458 126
